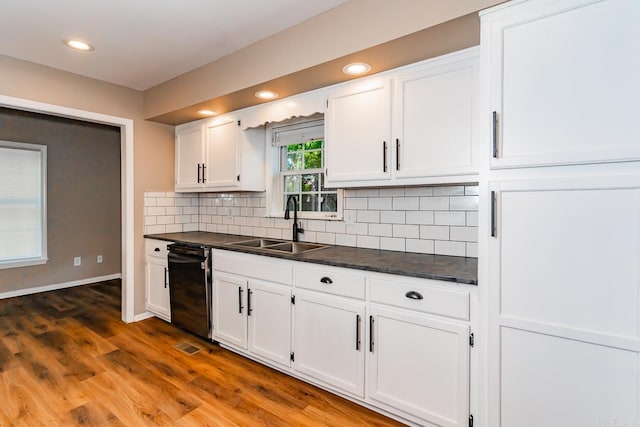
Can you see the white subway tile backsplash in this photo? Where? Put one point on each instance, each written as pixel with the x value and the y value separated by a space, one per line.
pixel 406 231
pixel 418 191
pixel 165 219
pixel 380 203
pixel 370 242
pixel 464 203
pixel 392 217
pixel 381 230
pixel 471 190
pixel 406 203
pixel 419 217
pixel 173 228
pixel 419 246
pixel 450 248
pixel 345 240
pixel 336 227
pixel 472 250
pixel 426 219
pixel 355 203
pixel 391 192
pixel 357 228
pixel 326 238
pixel 392 244
pixel 434 232
pixel 368 216
pixel 434 203
pixel 315 225
pixel 457 190
pixel 449 218
pixel 464 234
pixel 367 192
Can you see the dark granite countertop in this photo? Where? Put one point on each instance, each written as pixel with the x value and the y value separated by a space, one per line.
pixel 437 267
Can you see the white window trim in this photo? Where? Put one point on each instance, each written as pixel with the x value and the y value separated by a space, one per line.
pixel 274 190
pixel 42 259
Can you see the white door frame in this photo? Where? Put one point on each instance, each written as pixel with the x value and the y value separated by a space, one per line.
pixel 126 180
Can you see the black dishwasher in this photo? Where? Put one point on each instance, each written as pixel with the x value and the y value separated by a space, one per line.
pixel 190 288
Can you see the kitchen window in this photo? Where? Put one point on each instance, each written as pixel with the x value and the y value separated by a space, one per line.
pixel 23 208
pixel 298 154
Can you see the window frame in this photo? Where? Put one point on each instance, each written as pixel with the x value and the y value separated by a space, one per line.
pixel 43 257
pixel 275 186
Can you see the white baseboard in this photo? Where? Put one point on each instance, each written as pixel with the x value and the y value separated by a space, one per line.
pixel 143 316
pixel 56 286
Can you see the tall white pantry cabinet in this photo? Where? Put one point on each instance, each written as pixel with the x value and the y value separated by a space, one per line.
pixel 559 243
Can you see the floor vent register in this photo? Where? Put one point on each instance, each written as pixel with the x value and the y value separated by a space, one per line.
pixel 187 348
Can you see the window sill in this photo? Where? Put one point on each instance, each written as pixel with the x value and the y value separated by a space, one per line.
pixel 23 263
pixel 327 216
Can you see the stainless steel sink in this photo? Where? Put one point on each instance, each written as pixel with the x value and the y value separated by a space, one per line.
pixel 279 246
pixel 295 247
pixel 257 243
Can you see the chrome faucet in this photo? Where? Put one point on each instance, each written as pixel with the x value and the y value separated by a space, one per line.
pixel 296 229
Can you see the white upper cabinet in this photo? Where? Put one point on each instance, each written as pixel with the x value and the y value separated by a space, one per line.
pixel 358 132
pixel 223 153
pixel 435 120
pixel 564 84
pixel 410 126
pixel 189 157
pixel 218 155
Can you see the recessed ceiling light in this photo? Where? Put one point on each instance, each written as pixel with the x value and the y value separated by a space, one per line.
pixel 356 68
pixel 266 94
pixel 207 112
pixel 79 45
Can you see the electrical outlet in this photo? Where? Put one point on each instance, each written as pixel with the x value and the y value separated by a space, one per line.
pixel 99 259
pixel 77 261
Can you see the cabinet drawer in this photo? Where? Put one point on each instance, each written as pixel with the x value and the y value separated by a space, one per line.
pixel 157 248
pixel 421 298
pixel 255 266
pixel 331 281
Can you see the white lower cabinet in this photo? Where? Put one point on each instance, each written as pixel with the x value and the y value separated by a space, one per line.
pixel 157 279
pixel 398 344
pixel 328 337
pixel 229 309
pixel 419 364
pixel 269 313
pixel 253 315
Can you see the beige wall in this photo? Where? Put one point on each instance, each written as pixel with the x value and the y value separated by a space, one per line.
pixel 350 27
pixel 83 198
pixel 153 143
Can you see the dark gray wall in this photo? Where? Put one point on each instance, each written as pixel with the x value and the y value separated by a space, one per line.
pixel 83 197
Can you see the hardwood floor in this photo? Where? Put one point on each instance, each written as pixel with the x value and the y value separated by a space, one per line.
pixel 66 359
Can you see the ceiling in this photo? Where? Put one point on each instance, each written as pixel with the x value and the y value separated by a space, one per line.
pixel 142 43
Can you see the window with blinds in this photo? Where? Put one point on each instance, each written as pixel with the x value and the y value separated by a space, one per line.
pixel 299 149
pixel 23 219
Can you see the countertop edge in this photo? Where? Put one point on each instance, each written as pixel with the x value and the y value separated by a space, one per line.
pixel 315 260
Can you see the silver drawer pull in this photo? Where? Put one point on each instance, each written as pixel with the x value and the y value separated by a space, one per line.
pixel 413 295
pixel 326 280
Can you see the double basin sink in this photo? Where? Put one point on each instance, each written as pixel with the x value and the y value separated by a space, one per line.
pixel 278 246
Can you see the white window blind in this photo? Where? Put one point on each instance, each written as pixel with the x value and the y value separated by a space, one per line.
pixel 23 191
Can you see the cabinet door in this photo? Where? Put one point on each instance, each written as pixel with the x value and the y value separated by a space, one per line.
pixel 420 364
pixel 564 81
pixel 564 270
pixel 158 287
pixel 229 309
pixel 328 343
pixel 434 117
pixel 269 312
pixel 189 158
pixel 358 126
pixel 222 154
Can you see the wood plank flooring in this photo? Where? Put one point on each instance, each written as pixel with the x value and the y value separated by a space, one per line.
pixel 66 359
